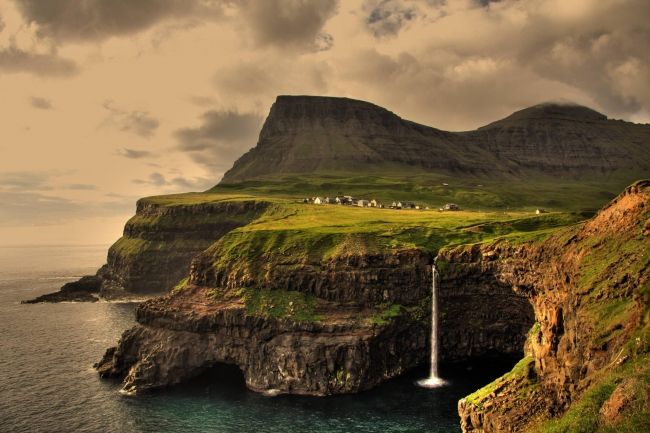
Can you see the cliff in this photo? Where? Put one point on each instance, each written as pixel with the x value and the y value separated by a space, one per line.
pixel 284 341
pixel 306 319
pixel 586 364
pixel 159 242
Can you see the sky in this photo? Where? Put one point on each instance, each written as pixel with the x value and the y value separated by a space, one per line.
pixel 106 101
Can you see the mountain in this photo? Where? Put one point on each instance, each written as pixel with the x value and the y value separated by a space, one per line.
pixel 307 134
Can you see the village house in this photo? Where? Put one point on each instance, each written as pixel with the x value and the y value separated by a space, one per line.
pixel 407 205
pixel 374 203
pixel 451 206
pixel 318 200
pixel 363 203
pixel 540 211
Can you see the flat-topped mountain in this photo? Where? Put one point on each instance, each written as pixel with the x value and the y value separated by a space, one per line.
pixel 303 134
pixel 306 134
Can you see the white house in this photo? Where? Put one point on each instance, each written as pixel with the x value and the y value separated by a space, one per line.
pixel 363 203
pixel 319 200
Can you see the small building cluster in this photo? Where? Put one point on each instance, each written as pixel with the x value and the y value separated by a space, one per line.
pixel 348 200
pixel 450 206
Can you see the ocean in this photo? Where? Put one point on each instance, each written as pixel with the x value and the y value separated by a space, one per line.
pixel 47 383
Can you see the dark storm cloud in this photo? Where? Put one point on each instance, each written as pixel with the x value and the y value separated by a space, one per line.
pixel 41 103
pixel 100 19
pixel 387 17
pixel 221 138
pixel 15 60
pixel 134 154
pixel 518 53
pixel 177 183
pixel 290 23
pixel 136 122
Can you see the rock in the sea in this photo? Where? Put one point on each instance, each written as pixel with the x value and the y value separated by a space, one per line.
pixel 86 289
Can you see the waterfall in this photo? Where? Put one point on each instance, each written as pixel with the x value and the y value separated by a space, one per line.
pixel 433 381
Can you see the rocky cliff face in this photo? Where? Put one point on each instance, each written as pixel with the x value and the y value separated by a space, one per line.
pixel 160 241
pixel 368 320
pixel 305 134
pixel 401 276
pixel 588 287
pixel 334 347
pixel 480 315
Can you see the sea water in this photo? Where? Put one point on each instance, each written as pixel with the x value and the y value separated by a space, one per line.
pixel 47 383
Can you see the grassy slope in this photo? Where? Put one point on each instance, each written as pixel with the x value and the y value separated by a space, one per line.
pixel 427 189
pixel 613 310
pixel 315 233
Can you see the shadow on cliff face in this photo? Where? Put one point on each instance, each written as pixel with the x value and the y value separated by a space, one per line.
pixel 481 316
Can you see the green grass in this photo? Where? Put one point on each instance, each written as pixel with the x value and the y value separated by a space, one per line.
pixel 295 234
pixel 194 198
pixel 427 189
pixel 583 416
pixel 385 314
pixel 519 372
pixel 280 304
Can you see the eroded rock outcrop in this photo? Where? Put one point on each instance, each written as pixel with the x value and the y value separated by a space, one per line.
pixel 180 336
pixel 585 284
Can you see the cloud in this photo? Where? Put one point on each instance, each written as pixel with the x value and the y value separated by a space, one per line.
pixel 222 137
pixel 263 80
pixel 72 20
pixel 24 208
pixel 387 17
pixel 290 23
pixel 24 181
pixel 21 209
pixel 202 101
pixel 16 60
pixel 133 153
pixel 137 122
pixel 178 183
pixel 41 103
pixel 80 186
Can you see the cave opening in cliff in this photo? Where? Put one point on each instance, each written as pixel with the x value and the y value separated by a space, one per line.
pixel 482 318
pixel 220 377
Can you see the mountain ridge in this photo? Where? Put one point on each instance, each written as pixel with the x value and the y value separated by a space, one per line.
pixel 306 134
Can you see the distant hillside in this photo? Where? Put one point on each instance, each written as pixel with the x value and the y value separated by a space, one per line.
pixel 307 134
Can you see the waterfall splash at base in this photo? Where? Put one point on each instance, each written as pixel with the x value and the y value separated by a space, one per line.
pixel 433 381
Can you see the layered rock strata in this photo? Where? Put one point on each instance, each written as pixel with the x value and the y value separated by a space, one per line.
pixel 585 285
pixel 160 241
pixel 371 322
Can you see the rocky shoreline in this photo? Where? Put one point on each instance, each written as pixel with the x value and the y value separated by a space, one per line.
pixel 86 289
